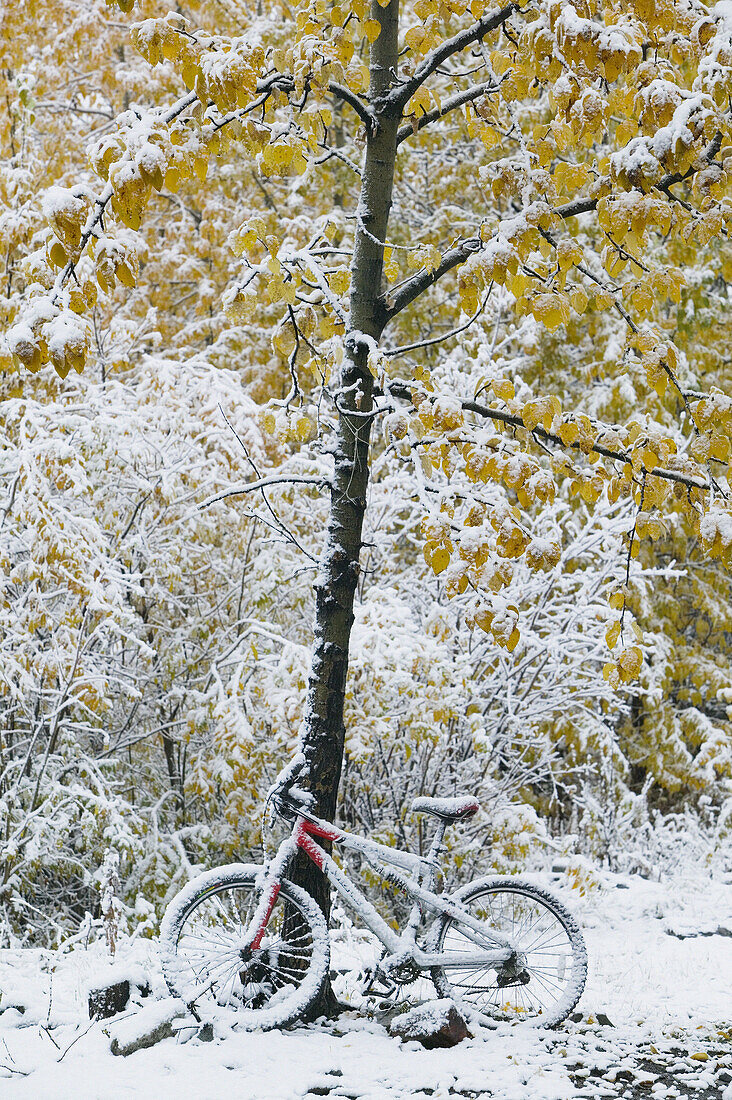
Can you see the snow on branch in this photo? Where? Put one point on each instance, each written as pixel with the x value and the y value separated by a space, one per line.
pixel 364 112
pixel 265 483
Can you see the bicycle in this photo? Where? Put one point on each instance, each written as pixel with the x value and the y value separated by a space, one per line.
pixel 243 937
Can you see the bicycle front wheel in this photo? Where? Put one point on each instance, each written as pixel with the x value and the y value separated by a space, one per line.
pixel 206 964
pixel 543 980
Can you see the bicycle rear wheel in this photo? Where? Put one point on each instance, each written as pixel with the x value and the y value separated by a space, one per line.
pixel 544 979
pixel 205 963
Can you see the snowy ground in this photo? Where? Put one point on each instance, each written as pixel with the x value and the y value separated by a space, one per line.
pixel 668 1001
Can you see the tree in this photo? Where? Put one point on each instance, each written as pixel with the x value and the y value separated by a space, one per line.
pixel 570 159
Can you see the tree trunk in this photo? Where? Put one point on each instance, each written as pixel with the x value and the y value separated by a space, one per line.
pixel 324 731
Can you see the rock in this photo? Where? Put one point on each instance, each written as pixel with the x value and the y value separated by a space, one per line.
pixel 434 1024
pixel 110 989
pixel 108 1001
pixel 206 1033
pixel 148 1026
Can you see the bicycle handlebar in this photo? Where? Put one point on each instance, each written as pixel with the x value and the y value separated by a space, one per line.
pixel 282 788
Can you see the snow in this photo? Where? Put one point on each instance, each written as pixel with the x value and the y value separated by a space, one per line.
pixel 660 994
pixel 431 1016
pixel 634 157
pixel 714 523
pixel 61 202
pixel 67 330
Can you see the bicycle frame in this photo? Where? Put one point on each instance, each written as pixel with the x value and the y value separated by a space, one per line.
pixel 495 949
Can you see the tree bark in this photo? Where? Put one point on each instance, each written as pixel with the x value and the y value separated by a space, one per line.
pixel 323 727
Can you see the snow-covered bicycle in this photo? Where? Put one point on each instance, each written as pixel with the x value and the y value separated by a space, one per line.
pixel 244 937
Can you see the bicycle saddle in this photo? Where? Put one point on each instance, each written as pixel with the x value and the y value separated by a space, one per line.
pixel 449 809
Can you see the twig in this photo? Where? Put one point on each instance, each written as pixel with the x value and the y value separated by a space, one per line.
pixel 438 339
pixel 76 1040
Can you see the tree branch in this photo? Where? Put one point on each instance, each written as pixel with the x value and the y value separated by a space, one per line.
pixel 466 96
pixel 264 483
pixel 584 206
pixel 410 290
pixel 393 352
pixel 402 391
pixel 402 94
pixel 102 201
pixel 363 111
pixel 396 301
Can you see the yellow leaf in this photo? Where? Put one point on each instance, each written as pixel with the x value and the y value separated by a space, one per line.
pixel 304 429
pixel 414 38
pixel 568 433
pixel 58 254
pixel 125 275
pixel 372 29
pixel 503 388
pixel 420 103
pixel 630 663
pixel 483 619
pixel 276 158
pixel 551 309
pixel 340 281
pixel 440 559
pixel 579 299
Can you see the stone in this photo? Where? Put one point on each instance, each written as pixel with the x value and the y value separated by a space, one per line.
pixel 108 1001
pixel 433 1024
pixel 148 1026
pixel 110 989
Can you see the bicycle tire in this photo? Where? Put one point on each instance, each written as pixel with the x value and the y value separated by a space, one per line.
pixel 544 982
pixel 202 959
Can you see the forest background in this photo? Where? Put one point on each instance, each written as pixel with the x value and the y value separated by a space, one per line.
pixel 540 620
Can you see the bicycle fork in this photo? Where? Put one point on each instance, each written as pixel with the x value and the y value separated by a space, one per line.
pixel 270 877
